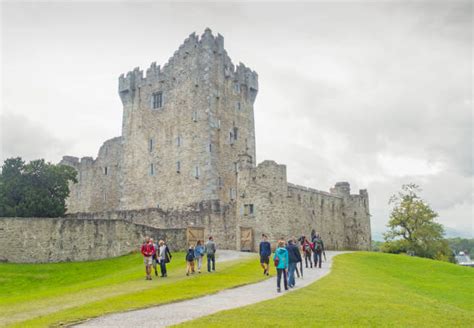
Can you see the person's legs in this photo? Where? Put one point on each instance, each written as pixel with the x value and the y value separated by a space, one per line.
pixel 301 268
pixel 199 263
pixel 213 262
pixel 315 259
pixel 279 272
pixel 320 258
pixel 208 263
pixel 291 274
pixel 154 266
pixel 163 268
pixel 285 279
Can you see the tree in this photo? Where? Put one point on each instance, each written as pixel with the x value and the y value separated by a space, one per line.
pixel 412 228
pixel 36 189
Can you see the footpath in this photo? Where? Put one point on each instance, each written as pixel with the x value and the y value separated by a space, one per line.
pixel 174 313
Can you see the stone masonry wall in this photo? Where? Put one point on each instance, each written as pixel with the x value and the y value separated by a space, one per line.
pixel 37 240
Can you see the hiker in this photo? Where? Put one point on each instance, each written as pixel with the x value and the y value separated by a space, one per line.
pixel 190 260
pixel 211 254
pixel 307 249
pixel 147 251
pixel 164 256
pixel 154 258
pixel 294 257
pixel 265 250
pixel 280 259
pixel 318 250
pixel 198 254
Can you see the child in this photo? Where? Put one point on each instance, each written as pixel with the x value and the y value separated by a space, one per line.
pixel 190 260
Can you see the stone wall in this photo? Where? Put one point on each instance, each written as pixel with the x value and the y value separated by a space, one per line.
pixel 37 240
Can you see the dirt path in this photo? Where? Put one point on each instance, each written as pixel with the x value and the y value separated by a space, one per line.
pixel 174 313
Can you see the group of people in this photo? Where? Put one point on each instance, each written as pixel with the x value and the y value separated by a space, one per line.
pixel 288 255
pixel 155 254
pixel 159 254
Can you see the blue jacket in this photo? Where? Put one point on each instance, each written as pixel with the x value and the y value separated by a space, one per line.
pixel 265 248
pixel 282 255
pixel 199 251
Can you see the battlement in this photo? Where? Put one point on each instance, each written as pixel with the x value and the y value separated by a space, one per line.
pixel 311 190
pixel 193 45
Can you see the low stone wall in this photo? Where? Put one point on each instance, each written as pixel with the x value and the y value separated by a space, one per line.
pixel 37 240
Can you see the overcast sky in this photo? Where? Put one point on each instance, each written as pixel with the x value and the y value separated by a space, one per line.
pixel 375 93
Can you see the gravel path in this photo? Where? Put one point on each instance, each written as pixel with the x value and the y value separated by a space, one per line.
pixel 174 313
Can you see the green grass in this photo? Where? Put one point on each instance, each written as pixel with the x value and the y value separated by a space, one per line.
pixel 367 290
pixel 43 295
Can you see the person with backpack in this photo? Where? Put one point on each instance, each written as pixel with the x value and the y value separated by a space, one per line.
pixel 294 257
pixel 190 260
pixel 164 256
pixel 198 254
pixel 280 259
pixel 265 250
pixel 147 251
pixel 211 254
pixel 307 249
pixel 318 250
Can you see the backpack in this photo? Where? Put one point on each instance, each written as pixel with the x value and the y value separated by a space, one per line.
pixel 307 248
pixel 190 256
pixel 317 245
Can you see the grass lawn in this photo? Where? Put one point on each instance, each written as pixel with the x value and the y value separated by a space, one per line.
pixel 367 290
pixel 42 295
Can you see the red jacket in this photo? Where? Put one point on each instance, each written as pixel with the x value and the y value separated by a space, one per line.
pixel 148 249
pixel 306 243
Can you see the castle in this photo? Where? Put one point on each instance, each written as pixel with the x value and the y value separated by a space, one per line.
pixel 186 159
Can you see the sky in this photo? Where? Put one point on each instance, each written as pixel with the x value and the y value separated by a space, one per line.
pixel 378 94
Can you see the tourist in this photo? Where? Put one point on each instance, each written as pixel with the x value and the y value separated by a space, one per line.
pixel 164 256
pixel 265 250
pixel 190 260
pixel 280 259
pixel 318 250
pixel 211 254
pixel 154 257
pixel 307 249
pixel 294 257
pixel 147 251
pixel 198 254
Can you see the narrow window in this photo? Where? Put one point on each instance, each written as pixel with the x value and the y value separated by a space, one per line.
pixel 105 196
pixel 196 172
pixel 237 105
pixel 178 141
pixel 150 145
pixel 152 169
pixel 236 133
pixel 157 100
pixel 106 170
pixel 236 87
pixel 232 193
pixel 195 116
pixel 231 138
pixel 210 148
pixel 219 182
pixel 178 166
pixel 248 209
pixel 236 167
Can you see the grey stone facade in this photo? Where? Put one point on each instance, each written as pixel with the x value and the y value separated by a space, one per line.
pixel 187 158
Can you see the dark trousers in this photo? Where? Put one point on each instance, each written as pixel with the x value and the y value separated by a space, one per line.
pixel 318 258
pixel 307 257
pixel 211 258
pixel 285 278
pixel 163 268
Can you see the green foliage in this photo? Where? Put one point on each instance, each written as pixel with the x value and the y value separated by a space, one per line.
pixel 366 289
pixel 45 295
pixel 36 189
pixel 412 228
pixel 461 245
pixel 376 245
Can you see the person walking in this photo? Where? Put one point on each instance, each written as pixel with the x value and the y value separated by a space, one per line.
pixel 265 250
pixel 211 254
pixel 164 257
pixel 294 257
pixel 280 259
pixel 147 251
pixel 318 250
pixel 198 254
pixel 190 260
pixel 307 249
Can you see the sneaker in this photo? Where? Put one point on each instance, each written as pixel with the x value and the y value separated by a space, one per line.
pixel 199 271
pixel 268 273
pixel 264 272
pixel 278 290
pixel 187 273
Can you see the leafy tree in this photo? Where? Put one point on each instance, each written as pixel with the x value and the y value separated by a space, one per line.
pixel 36 189
pixel 412 228
pixel 462 245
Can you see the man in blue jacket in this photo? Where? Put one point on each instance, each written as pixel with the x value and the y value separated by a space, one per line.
pixel 294 256
pixel 265 250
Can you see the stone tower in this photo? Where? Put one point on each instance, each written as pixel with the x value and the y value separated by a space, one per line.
pixel 185 125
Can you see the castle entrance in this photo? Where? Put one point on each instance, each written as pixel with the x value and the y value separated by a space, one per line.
pixel 194 234
pixel 246 239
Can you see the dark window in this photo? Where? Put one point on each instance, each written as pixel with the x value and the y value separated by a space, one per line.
pixel 150 145
pixel 248 209
pixel 106 170
pixel 152 169
pixel 236 133
pixel 178 166
pixel 157 99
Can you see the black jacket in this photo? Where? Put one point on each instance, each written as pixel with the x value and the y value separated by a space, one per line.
pixel 294 255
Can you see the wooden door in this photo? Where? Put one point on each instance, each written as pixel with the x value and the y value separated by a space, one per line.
pixel 246 239
pixel 193 235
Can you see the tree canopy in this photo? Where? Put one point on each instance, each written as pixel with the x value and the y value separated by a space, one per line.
pixel 36 189
pixel 412 227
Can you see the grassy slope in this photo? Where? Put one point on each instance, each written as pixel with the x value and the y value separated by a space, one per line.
pixel 367 289
pixel 50 294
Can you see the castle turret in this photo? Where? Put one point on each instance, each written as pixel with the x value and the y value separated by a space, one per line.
pixel 342 189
